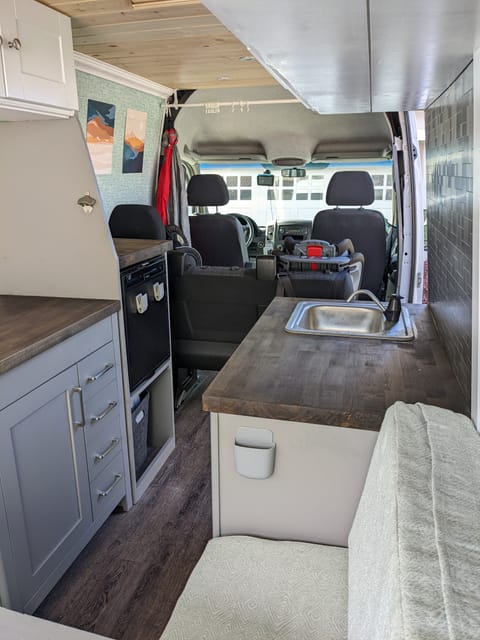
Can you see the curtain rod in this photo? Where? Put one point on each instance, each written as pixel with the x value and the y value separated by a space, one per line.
pixel 243 104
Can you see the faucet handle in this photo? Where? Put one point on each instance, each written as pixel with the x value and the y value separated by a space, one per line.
pixel 394 309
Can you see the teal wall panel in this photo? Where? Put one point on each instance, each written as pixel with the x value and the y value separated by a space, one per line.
pixel 118 187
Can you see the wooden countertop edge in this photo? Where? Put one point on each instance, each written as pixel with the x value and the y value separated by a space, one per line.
pixel 131 251
pixel 293 413
pixel 19 357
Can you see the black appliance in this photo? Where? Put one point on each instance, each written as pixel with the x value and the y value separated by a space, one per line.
pixel 145 309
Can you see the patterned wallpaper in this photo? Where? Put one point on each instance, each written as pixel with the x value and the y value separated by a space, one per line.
pixel 120 188
pixel 449 132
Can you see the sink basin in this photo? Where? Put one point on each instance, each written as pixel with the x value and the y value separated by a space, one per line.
pixel 348 320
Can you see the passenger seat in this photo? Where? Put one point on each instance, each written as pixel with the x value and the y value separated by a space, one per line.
pixel 365 227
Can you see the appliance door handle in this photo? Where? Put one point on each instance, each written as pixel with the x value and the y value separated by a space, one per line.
pixel 101 416
pixel 141 302
pixel 158 291
pixel 104 494
pixel 101 373
pixel 102 456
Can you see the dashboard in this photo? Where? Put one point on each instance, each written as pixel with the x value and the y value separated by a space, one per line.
pixel 278 231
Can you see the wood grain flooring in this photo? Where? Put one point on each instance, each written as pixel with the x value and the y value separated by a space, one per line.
pixel 125 583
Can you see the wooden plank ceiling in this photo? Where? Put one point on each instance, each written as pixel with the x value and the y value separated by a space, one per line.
pixel 178 43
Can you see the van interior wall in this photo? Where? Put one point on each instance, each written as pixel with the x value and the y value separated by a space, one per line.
pixel 117 187
pixel 449 133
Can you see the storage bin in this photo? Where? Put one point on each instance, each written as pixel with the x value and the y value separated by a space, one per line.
pixel 254 453
pixel 140 431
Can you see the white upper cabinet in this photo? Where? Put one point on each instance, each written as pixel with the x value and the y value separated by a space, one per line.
pixel 37 61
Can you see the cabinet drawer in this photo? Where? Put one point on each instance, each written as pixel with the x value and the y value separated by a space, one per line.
pixel 97 370
pixel 109 488
pixel 102 429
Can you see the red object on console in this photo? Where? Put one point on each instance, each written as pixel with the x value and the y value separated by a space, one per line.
pixel 314 251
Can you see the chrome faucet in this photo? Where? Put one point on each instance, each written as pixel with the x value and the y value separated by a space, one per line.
pixel 394 309
pixel 368 293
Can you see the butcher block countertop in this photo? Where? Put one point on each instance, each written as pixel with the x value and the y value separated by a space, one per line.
pixel 345 382
pixel 131 251
pixel 30 324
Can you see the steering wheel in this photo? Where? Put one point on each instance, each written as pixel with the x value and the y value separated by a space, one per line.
pixel 248 227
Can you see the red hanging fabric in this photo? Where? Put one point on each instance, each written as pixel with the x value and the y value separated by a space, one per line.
pixel 164 177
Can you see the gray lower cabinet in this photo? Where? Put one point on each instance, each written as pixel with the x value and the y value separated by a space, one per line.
pixel 62 467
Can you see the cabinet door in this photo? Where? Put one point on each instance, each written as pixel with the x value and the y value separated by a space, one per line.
pixel 38 67
pixel 43 475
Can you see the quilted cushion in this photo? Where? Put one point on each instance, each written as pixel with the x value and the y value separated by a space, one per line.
pixel 414 548
pixel 251 589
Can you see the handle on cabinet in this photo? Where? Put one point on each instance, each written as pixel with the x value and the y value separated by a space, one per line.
pixel 102 456
pixel 104 494
pixel 101 416
pixel 77 423
pixel 14 44
pixel 101 373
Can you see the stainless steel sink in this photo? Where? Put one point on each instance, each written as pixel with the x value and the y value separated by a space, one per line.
pixel 348 320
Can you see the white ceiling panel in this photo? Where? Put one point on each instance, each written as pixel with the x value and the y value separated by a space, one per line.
pixel 418 49
pixel 317 50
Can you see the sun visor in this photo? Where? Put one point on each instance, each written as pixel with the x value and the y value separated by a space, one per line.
pixel 350 150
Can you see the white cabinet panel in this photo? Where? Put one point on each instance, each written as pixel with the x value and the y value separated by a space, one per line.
pixel 63 467
pixel 44 480
pixel 37 55
pixel 313 492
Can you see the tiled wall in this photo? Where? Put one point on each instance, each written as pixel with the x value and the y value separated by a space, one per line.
pixel 449 132
pixel 118 187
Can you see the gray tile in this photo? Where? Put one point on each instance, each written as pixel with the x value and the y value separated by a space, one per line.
pixel 449 127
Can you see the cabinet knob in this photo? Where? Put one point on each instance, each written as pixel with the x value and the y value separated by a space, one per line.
pixel 14 44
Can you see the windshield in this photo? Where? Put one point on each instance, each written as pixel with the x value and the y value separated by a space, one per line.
pixel 294 198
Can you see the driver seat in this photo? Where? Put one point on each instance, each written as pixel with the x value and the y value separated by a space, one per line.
pixel 219 239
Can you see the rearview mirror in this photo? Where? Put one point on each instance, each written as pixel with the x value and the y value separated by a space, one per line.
pixel 265 179
pixel 296 172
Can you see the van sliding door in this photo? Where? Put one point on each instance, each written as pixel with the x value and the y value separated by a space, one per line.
pixel 408 182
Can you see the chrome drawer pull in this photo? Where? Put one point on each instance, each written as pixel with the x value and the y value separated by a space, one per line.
pixel 101 373
pixel 111 406
pixel 101 456
pixel 104 494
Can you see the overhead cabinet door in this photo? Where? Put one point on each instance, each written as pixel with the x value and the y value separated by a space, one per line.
pixel 37 54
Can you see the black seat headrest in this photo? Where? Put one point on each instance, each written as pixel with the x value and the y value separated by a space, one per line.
pixel 350 188
pixel 208 189
pixel 136 221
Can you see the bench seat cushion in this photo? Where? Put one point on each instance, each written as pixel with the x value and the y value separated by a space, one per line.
pixel 246 588
pixel 414 548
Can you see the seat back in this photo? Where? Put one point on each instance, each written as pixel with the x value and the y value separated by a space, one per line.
pixel 143 221
pixel 218 239
pixel 414 547
pixel 136 221
pixel 212 309
pixel 365 227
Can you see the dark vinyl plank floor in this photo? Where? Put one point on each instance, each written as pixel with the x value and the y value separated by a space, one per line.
pixel 125 583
